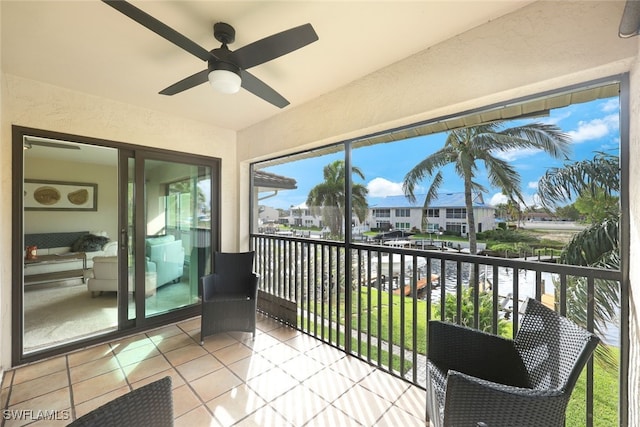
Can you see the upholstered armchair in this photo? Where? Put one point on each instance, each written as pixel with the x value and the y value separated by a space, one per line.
pixel 103 277
pixel 229 295
pixel 478 379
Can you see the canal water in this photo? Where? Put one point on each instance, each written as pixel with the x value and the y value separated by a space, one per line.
pixel 504 283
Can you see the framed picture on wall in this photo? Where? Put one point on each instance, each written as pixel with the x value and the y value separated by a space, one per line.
pixel 43 195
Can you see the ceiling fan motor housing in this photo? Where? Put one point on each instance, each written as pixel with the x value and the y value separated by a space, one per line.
pixel 224 33
pixel 221 61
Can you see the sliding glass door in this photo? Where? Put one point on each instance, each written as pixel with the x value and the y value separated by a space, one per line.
pixel 70 236
pixel 108 239
pixel 176 244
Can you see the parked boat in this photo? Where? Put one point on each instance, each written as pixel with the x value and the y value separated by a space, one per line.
pixel 420 285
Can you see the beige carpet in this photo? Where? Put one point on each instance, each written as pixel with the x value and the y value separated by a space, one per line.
pixel 65 311
pixel 62 312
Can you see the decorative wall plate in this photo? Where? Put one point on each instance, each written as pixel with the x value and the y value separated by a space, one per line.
pixel 46 195
pixel 78 197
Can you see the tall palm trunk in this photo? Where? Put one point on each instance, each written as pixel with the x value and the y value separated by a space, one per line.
pixel 471 219
pixel 471 229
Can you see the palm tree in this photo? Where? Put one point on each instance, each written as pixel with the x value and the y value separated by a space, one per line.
pixel 465 147
pixel 515 211
pixel 328 197
pixel 595 246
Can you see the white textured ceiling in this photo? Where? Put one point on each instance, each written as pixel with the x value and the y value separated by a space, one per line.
pixel 90 47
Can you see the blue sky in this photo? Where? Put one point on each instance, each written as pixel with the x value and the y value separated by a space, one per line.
pixel 593 127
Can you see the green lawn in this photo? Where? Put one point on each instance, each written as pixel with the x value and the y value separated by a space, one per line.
pixel 605 397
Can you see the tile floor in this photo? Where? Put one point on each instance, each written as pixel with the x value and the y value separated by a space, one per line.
pixel 282 378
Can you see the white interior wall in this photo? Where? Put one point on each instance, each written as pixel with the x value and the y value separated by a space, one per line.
pixel 105 218
pixel 5 230
pixel 42 106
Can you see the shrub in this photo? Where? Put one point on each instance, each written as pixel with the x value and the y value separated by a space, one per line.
pixel 501 235
pixel 467 312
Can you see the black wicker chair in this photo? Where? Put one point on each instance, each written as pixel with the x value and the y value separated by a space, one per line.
pixel 478 379
pixel 229 296
pixel 150 405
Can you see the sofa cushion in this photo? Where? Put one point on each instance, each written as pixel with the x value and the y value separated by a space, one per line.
pixel 111 248
pixel 53 240
pixel 89 243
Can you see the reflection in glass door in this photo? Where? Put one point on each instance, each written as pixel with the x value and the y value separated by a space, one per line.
pixel 117 237
pixel 128 236
pixel 177 222
pixel 69 280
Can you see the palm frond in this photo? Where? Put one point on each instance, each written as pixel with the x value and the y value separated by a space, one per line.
pixel 432 193
pixel 607 299
pixel 502 175
pixel 561 184
pixel 547 137
pixel 356 170
pixel 359 201
pixel 424 169
pixel 593 245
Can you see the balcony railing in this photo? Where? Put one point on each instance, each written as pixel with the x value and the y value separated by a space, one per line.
pixel 374 302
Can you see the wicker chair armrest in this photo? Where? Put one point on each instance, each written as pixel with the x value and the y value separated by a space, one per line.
pixel 475 353
pixel 149 405
pixel 253 286
pixel 472 401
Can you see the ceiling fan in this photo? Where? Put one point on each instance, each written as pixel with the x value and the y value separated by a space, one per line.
pixel 226 69
pixel 33 141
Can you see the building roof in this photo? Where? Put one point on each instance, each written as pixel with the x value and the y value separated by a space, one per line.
pixel 270 181
pixel 444 200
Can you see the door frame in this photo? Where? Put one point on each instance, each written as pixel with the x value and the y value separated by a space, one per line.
pixel 125 327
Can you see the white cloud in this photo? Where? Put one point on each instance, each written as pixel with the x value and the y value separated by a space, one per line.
pixel 594 129
pixel 611 105
pixel 380 187
pixel 529 200
pixel 587 130
pixel 516 154
pixel 557 118
pixel 498 199
pixel 532 185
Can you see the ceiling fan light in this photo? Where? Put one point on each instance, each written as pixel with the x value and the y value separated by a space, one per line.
pixel 225 81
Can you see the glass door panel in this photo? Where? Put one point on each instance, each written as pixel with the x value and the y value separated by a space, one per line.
pixel 177 223
pixel 108 239
pixel 70 272
pixel 128 237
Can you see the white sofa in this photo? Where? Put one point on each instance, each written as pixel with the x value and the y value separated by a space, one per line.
pixel 64 242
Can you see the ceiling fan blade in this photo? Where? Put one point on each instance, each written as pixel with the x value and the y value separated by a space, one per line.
pixel 187 83
pixel 31 143
pixel 274 46
pixel 159 28
pixel 262 90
